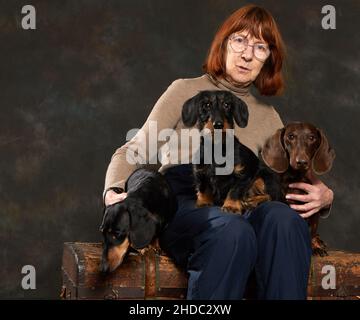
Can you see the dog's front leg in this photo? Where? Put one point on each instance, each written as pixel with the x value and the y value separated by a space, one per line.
pixel 233 201
pixel 204 192
pixel 204 199
pixel 257 194
pixel 318 246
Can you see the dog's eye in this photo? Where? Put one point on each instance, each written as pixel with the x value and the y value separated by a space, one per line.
pixel 226 106
pixel 291 136
pixel 311 138
pixel 206 107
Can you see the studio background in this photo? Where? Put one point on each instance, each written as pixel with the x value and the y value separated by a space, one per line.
pixel 92 70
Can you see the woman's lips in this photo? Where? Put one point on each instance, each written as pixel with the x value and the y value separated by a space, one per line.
pixel 243 69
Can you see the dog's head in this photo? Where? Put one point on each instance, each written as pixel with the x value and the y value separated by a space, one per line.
pixel 215 110
pixel 125 224
pixel 301 146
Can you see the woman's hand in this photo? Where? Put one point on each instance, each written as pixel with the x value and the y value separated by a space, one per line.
pixel 112 197
pixel 318 196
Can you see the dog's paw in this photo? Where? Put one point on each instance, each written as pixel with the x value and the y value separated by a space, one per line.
pixel 234 206
pixel 203 200
pixel 229 209
pixel 155 246
pixel 201 204
pixel 147 249
pixel 143 250
pixel 318 247
pixel 319 252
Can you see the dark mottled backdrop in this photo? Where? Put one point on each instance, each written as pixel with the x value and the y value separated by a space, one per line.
pixel 93 69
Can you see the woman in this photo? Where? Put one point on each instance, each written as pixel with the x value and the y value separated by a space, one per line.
pixel 220 250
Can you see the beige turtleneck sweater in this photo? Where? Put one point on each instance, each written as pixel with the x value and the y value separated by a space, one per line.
pixel 263 122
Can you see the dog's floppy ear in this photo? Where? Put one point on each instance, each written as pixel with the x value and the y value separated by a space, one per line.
pixel 189 112
pixel 241 112
pixel 110 213
pixel 115 229
pixel 274 154
pixel 324 155
pixel 142 226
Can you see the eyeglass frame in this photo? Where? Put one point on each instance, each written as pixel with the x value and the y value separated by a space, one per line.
pixel 230 38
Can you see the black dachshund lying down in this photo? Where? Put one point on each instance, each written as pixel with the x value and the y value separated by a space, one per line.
pixel 250 182
pixel 136 221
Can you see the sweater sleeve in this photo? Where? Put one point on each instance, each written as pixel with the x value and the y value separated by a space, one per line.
pixel 271 124
pixel 325 212
pixel 276 121
pixel 165 114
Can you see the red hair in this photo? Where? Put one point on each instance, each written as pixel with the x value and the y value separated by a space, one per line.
pixel 260 24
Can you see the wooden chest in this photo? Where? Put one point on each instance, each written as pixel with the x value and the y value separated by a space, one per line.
pixel 148 276
pixel 155 276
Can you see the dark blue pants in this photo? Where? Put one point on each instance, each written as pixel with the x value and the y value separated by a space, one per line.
pixel 220 250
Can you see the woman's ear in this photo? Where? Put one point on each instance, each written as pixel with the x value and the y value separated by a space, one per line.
pixel 240 112
pixel 274 154
pixel 189 112
pixel 324 156
pixel 143 226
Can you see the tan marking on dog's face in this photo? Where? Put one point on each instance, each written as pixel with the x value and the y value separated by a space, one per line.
pixel 238 168
pixel 227 125
pixel 204 199
pixel 209 125
pixel 116 254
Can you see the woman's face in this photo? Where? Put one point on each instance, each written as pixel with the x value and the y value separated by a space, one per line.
pixel 244 67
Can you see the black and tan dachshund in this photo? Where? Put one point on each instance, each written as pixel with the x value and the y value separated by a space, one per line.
pixel 137 220
pixel 249 183
pixel 294 150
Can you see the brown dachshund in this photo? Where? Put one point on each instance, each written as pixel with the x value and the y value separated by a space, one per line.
pixel 292 151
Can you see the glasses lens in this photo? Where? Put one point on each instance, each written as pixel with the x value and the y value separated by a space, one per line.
pixel 261 51
pixel 238 44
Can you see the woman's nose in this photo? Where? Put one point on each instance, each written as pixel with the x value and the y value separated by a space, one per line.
pixel 248 53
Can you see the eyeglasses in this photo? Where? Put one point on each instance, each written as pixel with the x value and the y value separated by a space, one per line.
pixel 239 44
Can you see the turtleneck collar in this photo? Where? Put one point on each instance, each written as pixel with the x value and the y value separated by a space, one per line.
pixel 223 83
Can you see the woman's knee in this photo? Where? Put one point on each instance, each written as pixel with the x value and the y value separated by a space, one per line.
pixel 230 227
pixel 282 216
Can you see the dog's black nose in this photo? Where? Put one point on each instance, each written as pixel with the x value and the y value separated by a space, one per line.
pixel 104 266
pixel 301 163
pixel 218 124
